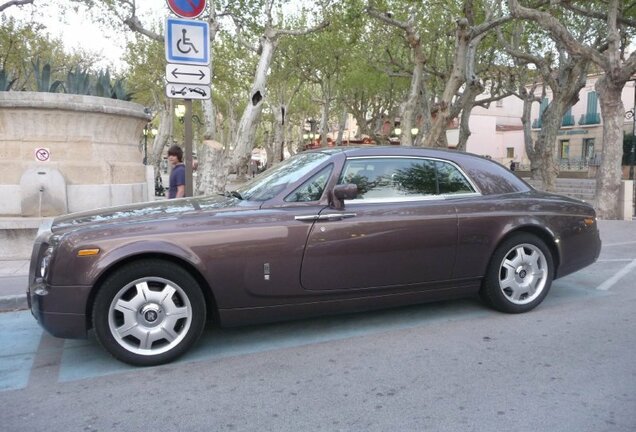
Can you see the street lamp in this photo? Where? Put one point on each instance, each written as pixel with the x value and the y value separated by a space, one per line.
pixel 148 130
pixel 631 114
pixel 179 112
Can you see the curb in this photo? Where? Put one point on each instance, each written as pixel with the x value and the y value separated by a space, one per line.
pixel 13 303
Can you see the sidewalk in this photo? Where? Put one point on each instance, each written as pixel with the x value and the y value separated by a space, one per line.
pixel 13 284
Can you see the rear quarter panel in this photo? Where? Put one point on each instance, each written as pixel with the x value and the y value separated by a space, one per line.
pixel 483 223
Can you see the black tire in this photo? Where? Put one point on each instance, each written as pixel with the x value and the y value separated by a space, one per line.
pixel 149 312
pixel 519 275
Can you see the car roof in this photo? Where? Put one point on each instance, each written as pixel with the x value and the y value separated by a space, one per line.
pixel 393 150
pixel 491 177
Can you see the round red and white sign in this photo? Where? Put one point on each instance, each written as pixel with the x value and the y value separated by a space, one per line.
pixel 42 154
pixel 187 8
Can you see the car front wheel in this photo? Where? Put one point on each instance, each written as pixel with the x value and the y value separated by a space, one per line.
pixel 519 275
pixel 149 312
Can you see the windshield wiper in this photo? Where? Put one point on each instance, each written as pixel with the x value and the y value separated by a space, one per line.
pixel 236 194
pixel 233 194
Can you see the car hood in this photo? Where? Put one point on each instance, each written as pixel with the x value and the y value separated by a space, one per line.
pixel 149 211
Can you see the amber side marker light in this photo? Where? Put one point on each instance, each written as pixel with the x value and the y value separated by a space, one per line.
pixel 588 221
pixel 87 252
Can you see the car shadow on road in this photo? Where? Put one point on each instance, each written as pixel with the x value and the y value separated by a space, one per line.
pixel 86 359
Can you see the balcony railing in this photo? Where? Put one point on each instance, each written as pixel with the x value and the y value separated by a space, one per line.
pixel 590 118
pixel 568 120
pixel 578 164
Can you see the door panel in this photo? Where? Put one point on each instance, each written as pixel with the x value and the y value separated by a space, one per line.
pixel 381 244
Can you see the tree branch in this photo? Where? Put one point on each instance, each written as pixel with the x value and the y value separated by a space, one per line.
pixel 135 25
pixel 597 15
pixel 14 3
pixel 299 32
pixel 558 32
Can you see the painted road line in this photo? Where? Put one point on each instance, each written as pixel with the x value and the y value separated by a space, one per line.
pixel 618 276
pixel 46 364
pixel 619 244
pixel 19 340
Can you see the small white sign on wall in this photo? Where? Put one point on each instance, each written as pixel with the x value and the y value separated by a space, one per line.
pixel 42 154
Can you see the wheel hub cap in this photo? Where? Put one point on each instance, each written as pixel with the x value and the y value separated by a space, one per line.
pixel 151 314
pixel 522 272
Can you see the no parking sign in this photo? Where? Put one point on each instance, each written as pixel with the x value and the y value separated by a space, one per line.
pixel 187 8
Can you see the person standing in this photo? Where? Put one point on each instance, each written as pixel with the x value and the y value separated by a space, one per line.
pixel 177 175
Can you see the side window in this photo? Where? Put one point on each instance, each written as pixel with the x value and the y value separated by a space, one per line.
pixel 312 189
pixel 389 178
pixel 418 178
pixel 403 178
pixel 451 180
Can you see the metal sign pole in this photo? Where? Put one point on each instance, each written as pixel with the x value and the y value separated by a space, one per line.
pixel 187 119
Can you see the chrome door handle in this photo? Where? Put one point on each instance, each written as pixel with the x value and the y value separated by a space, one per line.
pixel 325 217
pixel 309 218
pixel 336 216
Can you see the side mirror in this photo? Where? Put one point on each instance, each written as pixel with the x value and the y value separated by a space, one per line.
pixel 343 192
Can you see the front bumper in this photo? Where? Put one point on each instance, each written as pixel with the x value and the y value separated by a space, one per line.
pixel 60 310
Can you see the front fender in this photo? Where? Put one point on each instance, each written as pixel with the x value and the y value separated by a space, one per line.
pixel 71 269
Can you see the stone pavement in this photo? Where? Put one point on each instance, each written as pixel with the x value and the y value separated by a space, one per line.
pixel 14 273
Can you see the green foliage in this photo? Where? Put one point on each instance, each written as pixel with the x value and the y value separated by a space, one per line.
pixel 43 78
pixel 78 82
pixel 6 81
pixel 118 91
pixel 102 84
pixel 146 68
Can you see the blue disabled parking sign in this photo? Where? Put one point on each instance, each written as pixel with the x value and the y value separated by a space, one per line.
pixel 187 41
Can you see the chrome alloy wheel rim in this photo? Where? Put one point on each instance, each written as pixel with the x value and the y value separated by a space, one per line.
pixel 523 274
pixel 150 316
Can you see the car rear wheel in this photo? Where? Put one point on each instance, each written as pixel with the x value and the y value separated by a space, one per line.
pixel 519 275
pixel 149 312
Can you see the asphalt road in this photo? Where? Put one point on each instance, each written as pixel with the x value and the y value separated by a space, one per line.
pixel 570 365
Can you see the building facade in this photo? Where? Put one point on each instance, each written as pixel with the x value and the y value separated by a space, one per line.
pixel 497 131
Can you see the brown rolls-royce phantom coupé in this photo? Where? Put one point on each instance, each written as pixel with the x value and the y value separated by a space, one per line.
pixel 326 231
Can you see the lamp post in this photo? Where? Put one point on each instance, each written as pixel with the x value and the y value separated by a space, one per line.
pixel 180 110
pixel 633 150
pixel 148 130
pixel 184 114
pixel 631 114
pixel 312 126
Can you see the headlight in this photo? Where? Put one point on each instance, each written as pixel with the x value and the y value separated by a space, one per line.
pixel 45 261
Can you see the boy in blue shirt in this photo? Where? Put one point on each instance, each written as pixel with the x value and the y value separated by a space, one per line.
pixel 178 174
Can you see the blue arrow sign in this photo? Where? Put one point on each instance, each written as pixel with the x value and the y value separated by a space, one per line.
pixel 187 41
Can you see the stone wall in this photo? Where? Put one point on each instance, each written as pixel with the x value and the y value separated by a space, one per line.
pixel 94 160
pixel 93 143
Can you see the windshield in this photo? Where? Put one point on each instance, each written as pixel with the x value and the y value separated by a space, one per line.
pixel 273 181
